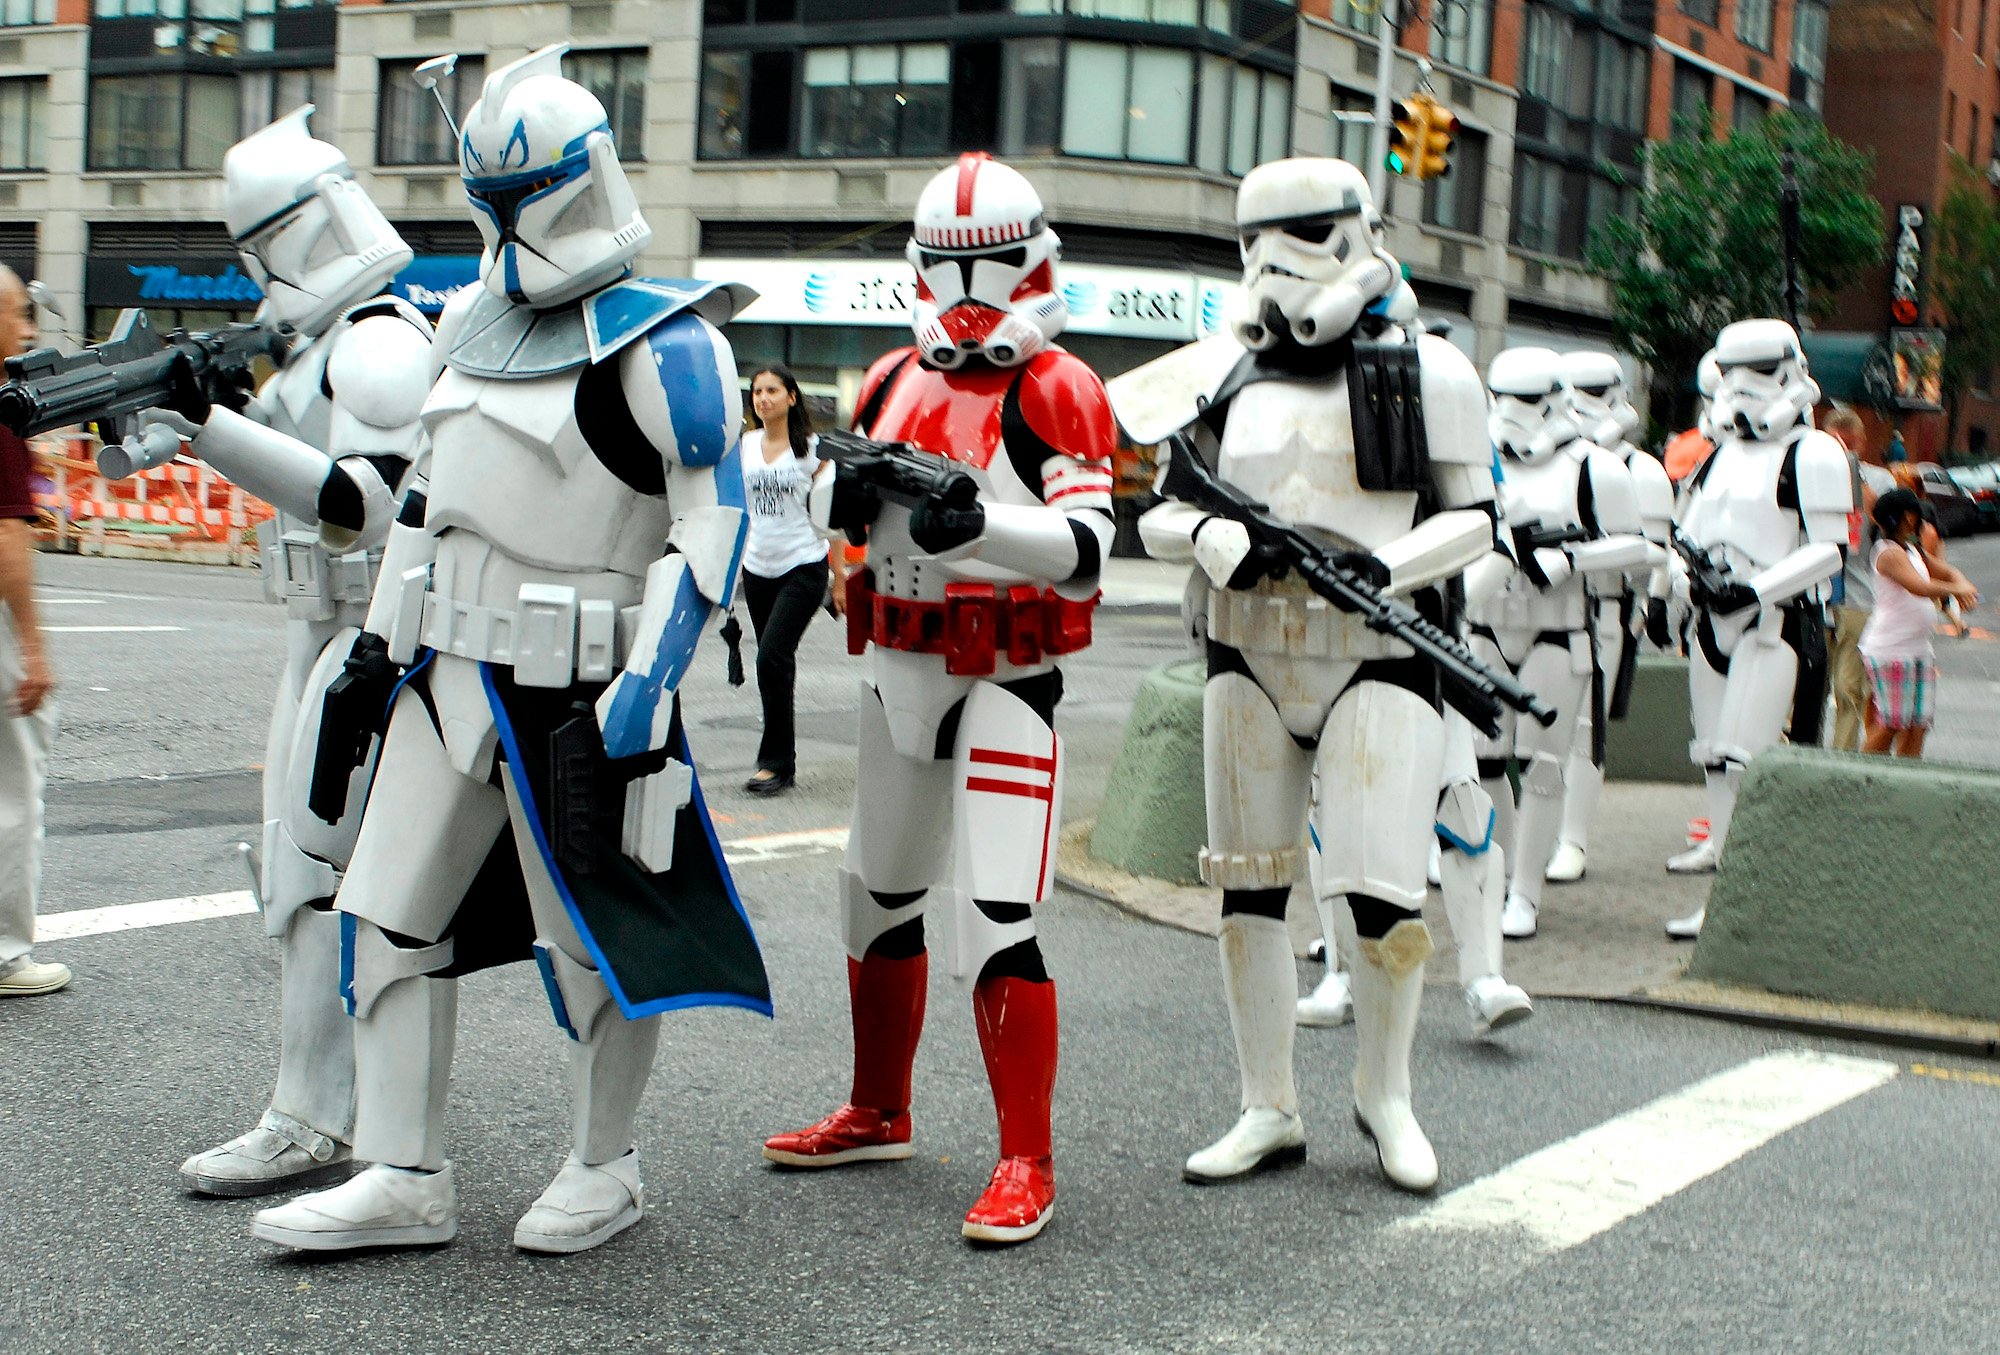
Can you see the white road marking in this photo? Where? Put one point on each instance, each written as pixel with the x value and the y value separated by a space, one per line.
pixel 1571 1191
pixel 111 630
pixel 70 602
pixel 127 917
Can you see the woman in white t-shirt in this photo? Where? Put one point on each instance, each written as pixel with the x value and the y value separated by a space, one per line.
pixel 1909 584
pixel 785 562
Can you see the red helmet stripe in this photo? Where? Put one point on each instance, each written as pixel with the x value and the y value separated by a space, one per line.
pixel 968 171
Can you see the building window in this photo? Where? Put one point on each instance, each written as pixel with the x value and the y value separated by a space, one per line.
pixel 1746 110
pixel 1366 16
pixel 1551 204
pixel 1246 117
pixel 267 95
pixel 1350 139
pixel 409 128
pixel 1618 99
pixel 1545 48
pixel 15 13
pixel 1694 92
pixel 1809 55
pixel 876 100
pixel 618 79
pixel 1457 201
pixel 1130 103
pixel 170 121
pixel 1031 97
pixel 24 124
pixel 1753 23
pixel 1702 11
pixel 1184 13
pixel 1462 34
pixel 224 10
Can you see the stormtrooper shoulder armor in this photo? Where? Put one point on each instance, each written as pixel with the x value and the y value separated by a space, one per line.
pixel 1454 404
pixel 1825 486
pixel 680 386
pixel 1614 498
pixel 379 367
pixel 1165 395
pixel 876 382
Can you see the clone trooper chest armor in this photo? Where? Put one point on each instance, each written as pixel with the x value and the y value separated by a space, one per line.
pixel 1742 508
pixel 315 585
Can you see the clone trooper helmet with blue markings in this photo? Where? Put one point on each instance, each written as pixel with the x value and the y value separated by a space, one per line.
pixel 985 260
pixel 309 236
pixel 1531 417
pixel 1313 253
pixel 1595 383
pixel 1763 390
pixel 553 206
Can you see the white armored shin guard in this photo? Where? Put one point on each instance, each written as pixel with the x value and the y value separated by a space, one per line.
pixel 405 1030
pixel 610 1058
pixel 1472 877
pixel 1388 983
pixel 316 1059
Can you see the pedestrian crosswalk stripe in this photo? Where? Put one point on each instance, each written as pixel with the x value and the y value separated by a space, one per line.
pixel 1571 1191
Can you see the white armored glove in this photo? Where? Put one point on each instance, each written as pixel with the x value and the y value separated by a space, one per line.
pixel 1220 548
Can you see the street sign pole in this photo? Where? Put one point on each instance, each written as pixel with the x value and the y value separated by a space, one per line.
pixel 1788 219
pixel 1378 135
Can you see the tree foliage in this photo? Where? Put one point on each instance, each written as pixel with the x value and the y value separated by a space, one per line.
pixel 1705 248
pixel 1963 258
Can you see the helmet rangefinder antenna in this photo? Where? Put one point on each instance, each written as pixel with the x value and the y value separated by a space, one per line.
pixel 428 75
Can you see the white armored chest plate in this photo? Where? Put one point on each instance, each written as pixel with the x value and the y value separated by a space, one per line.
pixel 1736 507
pixel 294 400
pixel 509 465
pixel 1291 446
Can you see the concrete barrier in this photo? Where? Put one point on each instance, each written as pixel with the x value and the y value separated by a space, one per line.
pixel 1860 879
pixel 1154 820
pixel 1651 742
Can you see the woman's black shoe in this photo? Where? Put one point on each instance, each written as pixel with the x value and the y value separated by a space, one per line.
pixel 768 783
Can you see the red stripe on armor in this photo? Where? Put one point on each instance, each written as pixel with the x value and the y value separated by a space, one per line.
pixel 968 173
pixel 1004 759
pixel 1048 826
pixel 1068 490
pixel 1014 788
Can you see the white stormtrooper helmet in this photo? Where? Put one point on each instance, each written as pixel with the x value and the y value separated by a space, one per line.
pixel 552 203
pixel 1531 417
pixel 1707 381
pixel 1595 385
pixel 1764 389
pixel 309 236
pixel 985 260
pixel 1313 257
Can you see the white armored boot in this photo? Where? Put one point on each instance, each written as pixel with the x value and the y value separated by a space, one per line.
pixel 302 1139
pixel 1473 888
pixel 1388 983
pixel 1586 787
pixel 1536 823
pixel 1328 1004
pixel 1261 985
pixel 598 1193
pixel 404 1033
pixel 1704 856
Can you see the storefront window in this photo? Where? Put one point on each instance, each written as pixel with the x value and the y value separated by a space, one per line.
pixel 410 130
pixel 876 100
pixel 618 79
pixel 24 133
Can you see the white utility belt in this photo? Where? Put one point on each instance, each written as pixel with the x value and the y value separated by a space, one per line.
pixel 551 638
pixel 1525 608
pixel 1295 622
pixel 310 580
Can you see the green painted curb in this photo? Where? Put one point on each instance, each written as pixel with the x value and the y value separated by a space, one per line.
pixel 1860 879
pixel 1651 742
pixel 1154 818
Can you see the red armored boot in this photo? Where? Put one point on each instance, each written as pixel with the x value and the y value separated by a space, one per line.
pixel 886 997
pixel 1017 1033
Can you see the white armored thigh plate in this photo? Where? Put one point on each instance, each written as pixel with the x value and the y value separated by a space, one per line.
pixel 1291 446
pixel 1757 699
pixel 916 694
pixel 426 833
pixel 1380 762
pixel 899 835
pixel 1007 790
pixel 1257 782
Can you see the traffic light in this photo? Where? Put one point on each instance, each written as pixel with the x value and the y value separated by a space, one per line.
pixel 1434 151
pixel 1406 134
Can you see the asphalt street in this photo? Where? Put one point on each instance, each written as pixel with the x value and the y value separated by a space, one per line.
pixel 1867 1227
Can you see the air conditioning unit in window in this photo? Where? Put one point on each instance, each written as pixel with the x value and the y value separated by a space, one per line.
pixel 1993 171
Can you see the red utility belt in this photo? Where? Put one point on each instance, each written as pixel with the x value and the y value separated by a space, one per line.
pixel 972 627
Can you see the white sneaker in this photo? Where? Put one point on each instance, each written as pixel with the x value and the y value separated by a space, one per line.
pixel 28 978
pixel 1699 859
pixel 1263 1139
pixel 1496 1004
pixel 1330 1004
pixel 1566 865
pixel 584 1206
pixel 279 1154
pixel 1517 918
pixel 381 1207
pixel 1687 928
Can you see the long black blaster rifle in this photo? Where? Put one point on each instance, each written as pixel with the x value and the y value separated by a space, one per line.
pixel 1706 579
pixel 136 368
pixel 1469 686
pixel 943 497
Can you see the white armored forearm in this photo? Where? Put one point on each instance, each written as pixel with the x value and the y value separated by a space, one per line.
pixel 1167 531
pixel 1437 548
pixel 1608 554
pixel 1043 542
pixel 276 467
pixel 1804 568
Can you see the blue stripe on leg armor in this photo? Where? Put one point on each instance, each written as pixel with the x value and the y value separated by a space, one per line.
pixel 1485 844
pixel 556 1004
pixel 634 710
pixel 684 352
pixel 1312 831
pixel 347 938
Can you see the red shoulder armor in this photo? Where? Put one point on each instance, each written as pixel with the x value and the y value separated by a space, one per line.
pixel 875 386
pixel 1065 406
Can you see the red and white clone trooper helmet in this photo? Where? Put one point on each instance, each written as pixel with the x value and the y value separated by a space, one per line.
pixel 985 260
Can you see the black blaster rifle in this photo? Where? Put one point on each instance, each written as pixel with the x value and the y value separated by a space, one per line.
pixel 1471 688
pixel 136 368
pixel 943 499
pixel 1708 582
pixel 354 712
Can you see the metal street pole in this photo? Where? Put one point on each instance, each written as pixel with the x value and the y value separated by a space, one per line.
pixel 1788 220
pixel 1378 136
